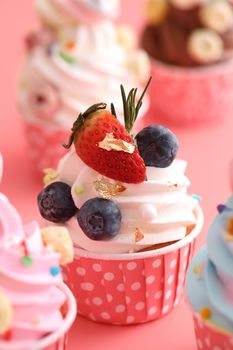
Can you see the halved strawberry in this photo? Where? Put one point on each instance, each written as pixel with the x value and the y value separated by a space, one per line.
pixel 97 125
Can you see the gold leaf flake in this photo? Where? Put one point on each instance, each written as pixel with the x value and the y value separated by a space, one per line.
pixel 110 143
pixel 50 176
pixel 172 185
pixel 138 235
pixel 107 189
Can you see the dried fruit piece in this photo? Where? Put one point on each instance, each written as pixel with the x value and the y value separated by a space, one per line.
pixel 205 46
pixel 217 15
pixel 59 239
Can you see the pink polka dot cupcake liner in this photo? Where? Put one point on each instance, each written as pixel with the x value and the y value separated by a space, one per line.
pixel 45 146
pixel 131 288
pixel 57 340
pixel 210 338
pixel 189 96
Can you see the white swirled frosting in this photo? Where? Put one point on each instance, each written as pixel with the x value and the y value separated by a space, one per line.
pixel 159 208
pixel 83 65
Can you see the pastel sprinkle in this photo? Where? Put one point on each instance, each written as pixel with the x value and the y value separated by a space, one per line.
pixel 67 58
pixel 198 198
pixel 222 207
pixel 206 313
pixel 79 189
pixel 230 226
pixel 27 260
pixel 55 270
pixel 70 45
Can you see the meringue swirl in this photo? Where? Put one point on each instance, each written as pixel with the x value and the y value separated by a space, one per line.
pixel 159 208
pixel 210 276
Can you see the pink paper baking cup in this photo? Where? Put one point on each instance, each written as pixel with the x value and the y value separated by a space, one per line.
pixel 187 96
pixel 131 288
pixel 45 146
pixel 210 338
pixel 57 340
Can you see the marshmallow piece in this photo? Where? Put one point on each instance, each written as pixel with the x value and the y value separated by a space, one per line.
pixel 205 46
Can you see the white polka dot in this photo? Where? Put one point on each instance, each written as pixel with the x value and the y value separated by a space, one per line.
pixel 120 308
pixel 97 267
pixel 120 266
pixel 92 316
pixel 97 301
pixel 127 299
pixel 156 263
pixel 186 252
pixel 105 315
pixel 81 271
pixel 170 279
pixel 131 265
pixel 168 294
pixel 207 341
pixel 150 279
pixel 176 302
pixel 140 306
pixel 199 343
pixel 130 319
pixel 136 286
pixel 109 276
pixel 152 310
pixel 87 301
pixel 87 286
pixel 173 263
pixel 185 265
pixel 217 348
pixel 121 287
pixel 109 298
pixel 178 290
pixel 165 309
pixel 158 294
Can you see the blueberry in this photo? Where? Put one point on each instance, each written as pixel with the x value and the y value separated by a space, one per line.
pixel 157 146
pixel 99 218
pixel 56 203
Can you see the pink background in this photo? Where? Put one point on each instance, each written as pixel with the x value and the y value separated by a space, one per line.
pixel 208 150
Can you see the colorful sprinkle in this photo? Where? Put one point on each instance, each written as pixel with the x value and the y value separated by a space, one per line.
pixel 230 227
pixel 55 270
pixel 67 58
pixel 138 235
pixel 198 198
pixel 198 269
pixel 206 313
pixel 70 45
pixel 27 260
pixel 79 189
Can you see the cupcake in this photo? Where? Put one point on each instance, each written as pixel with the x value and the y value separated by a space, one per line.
pixel 124 200
pixel 210 284
pixel 71 66
pixel 36 307
pixel 191 46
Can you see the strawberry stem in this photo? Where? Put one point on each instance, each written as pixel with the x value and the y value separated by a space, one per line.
pixel 131 109
pixel 80 120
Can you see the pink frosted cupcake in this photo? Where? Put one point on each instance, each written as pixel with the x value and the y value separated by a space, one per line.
pixel 132 222
pixel 191 44
pixel 36 307
pixel 70 65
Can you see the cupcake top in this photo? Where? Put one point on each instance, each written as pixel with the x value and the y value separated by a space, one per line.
pixel 74 66
pixel 210 276
pixel 116 192
pixel 189 32
pixel 31 301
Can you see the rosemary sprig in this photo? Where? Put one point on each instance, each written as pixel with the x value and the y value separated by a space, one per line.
pixel 130 107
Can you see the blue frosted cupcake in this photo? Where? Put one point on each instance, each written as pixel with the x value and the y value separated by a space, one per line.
pixel 209 284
